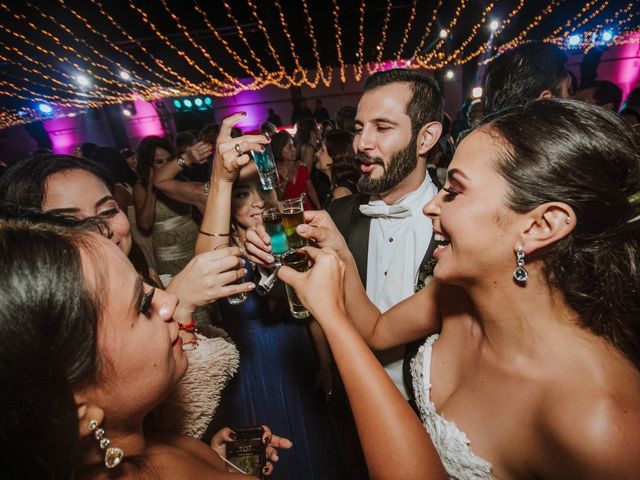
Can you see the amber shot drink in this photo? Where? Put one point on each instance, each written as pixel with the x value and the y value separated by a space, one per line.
pixel 293 215
pixel 299 261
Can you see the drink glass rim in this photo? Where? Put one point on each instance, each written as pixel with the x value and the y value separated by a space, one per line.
pixel 292 202
pixel 271 212
pixel 303 260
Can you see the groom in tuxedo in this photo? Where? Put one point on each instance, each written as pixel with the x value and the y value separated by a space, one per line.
pixel 397 123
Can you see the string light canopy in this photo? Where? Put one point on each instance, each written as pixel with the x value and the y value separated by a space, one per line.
pixel 62 57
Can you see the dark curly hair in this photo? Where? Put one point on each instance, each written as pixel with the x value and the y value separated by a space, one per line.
pixel 586 157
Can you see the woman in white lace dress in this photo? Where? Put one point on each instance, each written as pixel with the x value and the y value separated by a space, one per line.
pixel 531 367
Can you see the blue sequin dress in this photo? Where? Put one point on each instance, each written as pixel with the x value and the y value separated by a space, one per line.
pixel 274 386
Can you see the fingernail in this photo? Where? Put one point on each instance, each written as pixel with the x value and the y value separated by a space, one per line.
pixel 302 228
pixel 232 435
pixel 270 258
pixel 251 286
pixel 267 136
pixel 261 148
pixel 244 114
pixel 245 271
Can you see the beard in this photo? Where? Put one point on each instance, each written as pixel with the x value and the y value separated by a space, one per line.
pixel 402 163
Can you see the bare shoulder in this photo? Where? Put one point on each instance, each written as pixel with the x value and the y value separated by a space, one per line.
pixel 592 429
pixel 179 456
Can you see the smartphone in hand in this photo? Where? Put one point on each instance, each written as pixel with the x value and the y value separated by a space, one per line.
pixel 247 451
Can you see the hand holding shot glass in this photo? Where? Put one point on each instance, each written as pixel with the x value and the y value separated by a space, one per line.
pixel 299 261
pixel 240 297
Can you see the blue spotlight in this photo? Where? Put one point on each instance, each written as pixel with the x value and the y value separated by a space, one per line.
pixel 607 36
pixel 575 39
pixel 187 103
pixel 207 101
pixel 177 104
pixel 198 102
pixel 44 108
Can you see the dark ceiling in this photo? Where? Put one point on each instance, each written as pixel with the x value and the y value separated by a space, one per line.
pixel 176 47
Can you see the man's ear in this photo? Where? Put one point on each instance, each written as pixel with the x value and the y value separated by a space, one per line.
pixel 428 136
pixel 545 225
pixel 545 94
pixel 87 410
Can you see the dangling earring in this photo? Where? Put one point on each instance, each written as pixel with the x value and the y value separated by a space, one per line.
pixel 520 273
pixel 112 455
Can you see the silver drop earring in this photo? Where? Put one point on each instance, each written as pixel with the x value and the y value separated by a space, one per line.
pixel 520 273
pixel 112 455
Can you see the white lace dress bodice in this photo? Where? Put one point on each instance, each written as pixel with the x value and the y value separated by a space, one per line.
pixel 451 443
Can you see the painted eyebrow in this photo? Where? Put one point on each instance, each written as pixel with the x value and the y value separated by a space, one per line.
pixel 61 211
pixel 104 200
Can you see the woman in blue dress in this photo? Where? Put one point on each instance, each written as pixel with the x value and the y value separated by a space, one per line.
pixel 276 380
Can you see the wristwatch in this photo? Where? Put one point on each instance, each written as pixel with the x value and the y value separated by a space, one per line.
pixel 182 163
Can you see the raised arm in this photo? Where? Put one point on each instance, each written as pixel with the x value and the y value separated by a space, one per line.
pixel 144 200
pixel 216 222
pixel 394 441
pixel 192 193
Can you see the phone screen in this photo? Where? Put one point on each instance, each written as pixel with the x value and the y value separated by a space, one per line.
pixel 247 452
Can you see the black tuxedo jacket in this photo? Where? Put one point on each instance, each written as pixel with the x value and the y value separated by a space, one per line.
pixel 354 227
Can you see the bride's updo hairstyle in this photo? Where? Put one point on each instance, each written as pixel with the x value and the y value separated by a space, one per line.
pixel 586 157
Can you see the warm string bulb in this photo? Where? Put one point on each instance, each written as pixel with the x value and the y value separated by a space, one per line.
pixel 427 30
pixel 405 35
pixel 299 71
pixel 117 84
pixel 109 42
pixel 320 74
pixel 357 67
pixel 336 26
pixel 185 32
pixel 383 39
pixel 265 33
pixel 192 89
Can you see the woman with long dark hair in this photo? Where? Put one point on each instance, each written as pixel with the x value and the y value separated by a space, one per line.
pixel 165 215
pixel 337 161
pixel 293 174
pixel 82 189
pixel 280 367
pixel 87 350
pixel 531 365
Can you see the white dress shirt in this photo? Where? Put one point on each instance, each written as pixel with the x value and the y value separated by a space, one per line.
pixel 396 249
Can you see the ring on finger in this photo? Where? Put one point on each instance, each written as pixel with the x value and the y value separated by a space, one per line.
pixel 238 149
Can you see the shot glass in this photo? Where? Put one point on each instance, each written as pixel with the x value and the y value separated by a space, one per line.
pixel 241 297
pixel 272 219
pixel 299 261
pixel 266 167
pixel 292 211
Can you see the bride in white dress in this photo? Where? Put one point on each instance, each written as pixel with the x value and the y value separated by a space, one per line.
pixel 531 368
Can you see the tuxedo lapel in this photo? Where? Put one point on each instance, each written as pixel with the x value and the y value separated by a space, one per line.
pixel 358 239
